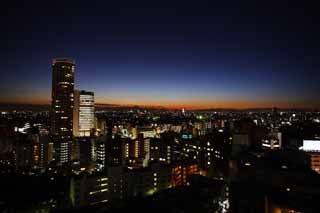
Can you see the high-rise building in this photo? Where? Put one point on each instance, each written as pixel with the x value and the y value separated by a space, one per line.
pixel 62 108
pixel 83 113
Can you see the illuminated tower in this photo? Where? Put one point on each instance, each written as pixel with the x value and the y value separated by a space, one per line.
pixel 83 113
pixel 62 108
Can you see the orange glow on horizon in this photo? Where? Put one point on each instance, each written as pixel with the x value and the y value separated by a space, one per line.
pixel 34 101
pixel 179 104
pixel 222 104
pixel 217 105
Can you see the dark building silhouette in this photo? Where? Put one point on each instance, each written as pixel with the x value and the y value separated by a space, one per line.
pixel 115 151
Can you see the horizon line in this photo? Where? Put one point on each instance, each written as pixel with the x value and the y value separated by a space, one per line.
pixel 187 108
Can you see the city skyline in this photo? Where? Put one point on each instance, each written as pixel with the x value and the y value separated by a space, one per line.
pixel 192 56
pixel 155 106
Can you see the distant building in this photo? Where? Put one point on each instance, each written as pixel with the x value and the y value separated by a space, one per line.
pixel 101 125
pixel 62 108
pixel 148 132
pixel 83 113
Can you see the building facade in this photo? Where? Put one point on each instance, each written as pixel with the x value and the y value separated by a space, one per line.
pixel 83 113
pixel 62 108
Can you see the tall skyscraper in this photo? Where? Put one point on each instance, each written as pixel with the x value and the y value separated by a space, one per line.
pixel 62 108
pixel 83 113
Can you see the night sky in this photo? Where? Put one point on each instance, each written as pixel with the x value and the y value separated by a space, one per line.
pixel 201 54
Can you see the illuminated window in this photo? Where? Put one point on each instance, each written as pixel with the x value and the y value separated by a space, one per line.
pixel 94 192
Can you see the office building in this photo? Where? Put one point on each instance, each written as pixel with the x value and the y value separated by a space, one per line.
pixel 62 108
pixel 312 147
pixel 83 113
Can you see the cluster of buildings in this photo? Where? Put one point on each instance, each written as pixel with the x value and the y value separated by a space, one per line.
pixel 97 157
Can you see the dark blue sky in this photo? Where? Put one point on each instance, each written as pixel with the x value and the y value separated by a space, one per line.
pixel 197 54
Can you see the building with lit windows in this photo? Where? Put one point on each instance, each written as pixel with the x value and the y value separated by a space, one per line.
pixel 30 151
pixel 312 147
pixel 146 181
pixel 100 155
pixel 315 161
pixel 134 148
pixel 146 148
pixel 181 171
pixel 161 149
pixel 43 151
pixel 271 143
pixel 148 132
pixel 88 190
pixel 117 186
pixel 83 113
pixel 84 153
pixel 62 108
pixel 210 151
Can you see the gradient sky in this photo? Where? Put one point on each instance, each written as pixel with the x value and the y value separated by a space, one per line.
pixel 172 54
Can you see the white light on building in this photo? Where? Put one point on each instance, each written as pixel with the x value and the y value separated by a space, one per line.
pixel 311 145
pixel 83 113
